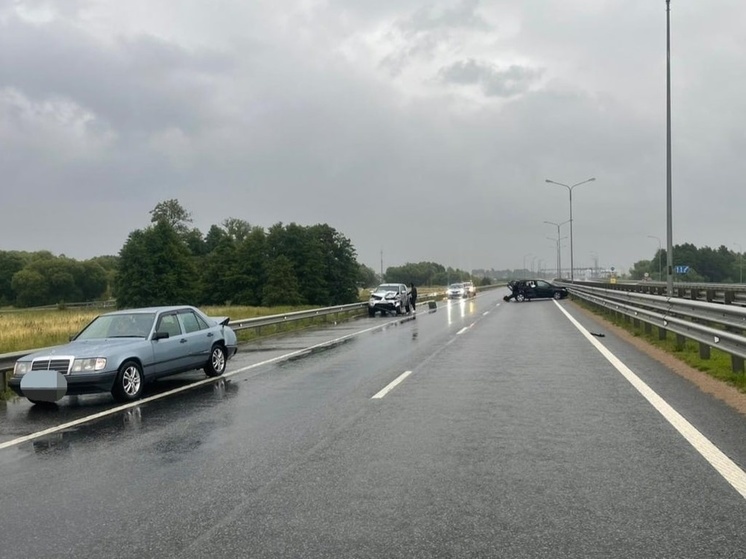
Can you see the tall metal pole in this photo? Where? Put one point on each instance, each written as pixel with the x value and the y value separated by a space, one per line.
pixel 559 252
pixel 669 218
pixel 569 188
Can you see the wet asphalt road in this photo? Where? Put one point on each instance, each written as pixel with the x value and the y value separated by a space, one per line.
pixel 511 437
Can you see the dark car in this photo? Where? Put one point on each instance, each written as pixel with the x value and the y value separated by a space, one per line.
pixel 527 289
pixel 120 352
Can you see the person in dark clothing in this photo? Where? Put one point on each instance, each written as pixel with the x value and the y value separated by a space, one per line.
pixel 515 287
pixel 412 295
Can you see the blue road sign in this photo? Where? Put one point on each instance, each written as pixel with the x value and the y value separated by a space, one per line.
pixel 681 269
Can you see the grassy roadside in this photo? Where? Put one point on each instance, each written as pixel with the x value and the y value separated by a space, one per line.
pixel 718 366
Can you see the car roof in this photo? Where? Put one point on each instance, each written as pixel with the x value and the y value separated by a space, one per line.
pixel 151 310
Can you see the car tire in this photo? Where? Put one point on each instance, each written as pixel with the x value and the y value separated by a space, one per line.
pixel 371 312
pixel 557 295
pixel 130 383
pixel 216 364
pixel 520 297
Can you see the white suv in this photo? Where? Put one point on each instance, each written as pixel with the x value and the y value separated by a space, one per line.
pixel 389 297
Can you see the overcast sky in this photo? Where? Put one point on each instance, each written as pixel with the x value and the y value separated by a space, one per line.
pixel 421 128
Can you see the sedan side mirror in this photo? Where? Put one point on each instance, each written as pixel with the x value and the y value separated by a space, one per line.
pixel 160 335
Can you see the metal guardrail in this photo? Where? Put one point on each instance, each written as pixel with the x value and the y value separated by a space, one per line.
pixel 724 293
pixel 712 325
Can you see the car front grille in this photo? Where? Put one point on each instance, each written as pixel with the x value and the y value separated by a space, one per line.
pixel 59 365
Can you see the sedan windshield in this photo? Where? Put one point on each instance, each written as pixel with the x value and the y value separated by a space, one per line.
pixel 135 325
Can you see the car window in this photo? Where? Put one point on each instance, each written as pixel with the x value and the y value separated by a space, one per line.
pixel 168 323
pixel 191 322
pixel 543 284
pixel 387 287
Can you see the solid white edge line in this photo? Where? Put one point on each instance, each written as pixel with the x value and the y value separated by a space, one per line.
pixel 117 409
pixel 732 473
pixel 391 385
pixel 464 329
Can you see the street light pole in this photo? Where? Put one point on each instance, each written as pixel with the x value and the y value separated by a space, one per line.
pixel 569 188
pixel 669 218
pixel 559 256
pixel 660 267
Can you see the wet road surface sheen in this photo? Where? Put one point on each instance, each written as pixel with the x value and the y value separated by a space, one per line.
pixel 509 438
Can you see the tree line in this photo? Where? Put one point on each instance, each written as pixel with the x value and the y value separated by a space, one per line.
pixel 170 262
pixel 30 279
pixel 706 264
pixel 427 273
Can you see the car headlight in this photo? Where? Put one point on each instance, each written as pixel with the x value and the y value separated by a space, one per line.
pixel 88 365
pixel 21 368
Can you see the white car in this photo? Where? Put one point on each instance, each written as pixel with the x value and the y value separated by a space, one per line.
pixel 456 291
pixel 389 297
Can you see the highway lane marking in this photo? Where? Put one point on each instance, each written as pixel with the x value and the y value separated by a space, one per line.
pixel 464 329
pixel 390 386
pixel 124 407
pixel 717 459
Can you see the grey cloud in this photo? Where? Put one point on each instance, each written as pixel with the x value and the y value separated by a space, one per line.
pixel 429 17
pixel 493 81
pixel 296 133
pixel 137 84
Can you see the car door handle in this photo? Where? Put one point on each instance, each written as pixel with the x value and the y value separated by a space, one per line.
pixel 183 341
pixel 210 334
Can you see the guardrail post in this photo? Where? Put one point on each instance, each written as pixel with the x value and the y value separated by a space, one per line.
pixel 728 297
pixel 680 342
pixel 662 333
pixel 736 364
pixel 648 328
pixel 710 295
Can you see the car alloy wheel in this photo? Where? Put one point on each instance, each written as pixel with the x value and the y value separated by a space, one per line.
pixel 216 365
pixel 129 383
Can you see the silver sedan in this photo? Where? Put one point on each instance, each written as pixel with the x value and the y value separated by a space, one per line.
pixel 119 352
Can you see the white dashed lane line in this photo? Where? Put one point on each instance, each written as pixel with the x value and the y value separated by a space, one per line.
pixel 393 384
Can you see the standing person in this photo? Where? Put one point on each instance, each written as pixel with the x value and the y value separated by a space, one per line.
pixel 412 295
